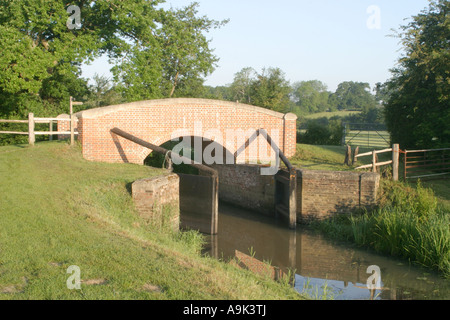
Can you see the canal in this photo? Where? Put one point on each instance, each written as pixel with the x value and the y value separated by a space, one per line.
pixel 321 267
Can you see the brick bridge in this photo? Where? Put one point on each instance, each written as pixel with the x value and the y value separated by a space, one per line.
pixel 158 121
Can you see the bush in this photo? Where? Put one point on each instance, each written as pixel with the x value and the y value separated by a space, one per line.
pixel 322 134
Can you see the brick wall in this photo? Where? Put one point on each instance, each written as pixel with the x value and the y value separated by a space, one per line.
pixel 158 200
pixel 244 186
pixel 322 194
pixel 156 121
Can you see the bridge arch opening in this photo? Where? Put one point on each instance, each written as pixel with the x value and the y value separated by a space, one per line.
pixel 199 149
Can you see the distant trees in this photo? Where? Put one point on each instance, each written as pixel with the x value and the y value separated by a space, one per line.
pixel 311 96
pixel 270 89
pixel 418 108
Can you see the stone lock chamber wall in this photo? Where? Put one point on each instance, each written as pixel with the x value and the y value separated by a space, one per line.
pixel 322 194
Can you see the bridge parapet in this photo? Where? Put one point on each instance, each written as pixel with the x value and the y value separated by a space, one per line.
pixel 228 124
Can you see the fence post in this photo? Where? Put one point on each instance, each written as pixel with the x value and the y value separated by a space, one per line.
pixel 395 160
pixel 31 136
pixel 348 155
pixel 374 161
pixel 72 129
pixel 50 137
pixel 355 156
pixel 404 164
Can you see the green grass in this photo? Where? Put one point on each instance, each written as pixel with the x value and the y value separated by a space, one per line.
pixel 331 114
pixel 59 210
pixel 315 157
pixel 368 139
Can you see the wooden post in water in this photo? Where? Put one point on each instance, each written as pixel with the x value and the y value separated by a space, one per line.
pixel 31 136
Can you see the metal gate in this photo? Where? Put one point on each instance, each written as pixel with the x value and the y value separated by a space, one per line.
pixel 366 135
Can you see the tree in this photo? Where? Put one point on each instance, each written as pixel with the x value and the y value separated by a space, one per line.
pixel 351 95
pixel 242 83
pixel 41 56
pixel 156 53
pixel 271 90
pixel 311 96
pixel 186 53
pixel 417 111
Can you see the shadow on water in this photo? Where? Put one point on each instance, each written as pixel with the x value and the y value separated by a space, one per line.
pixel 322 267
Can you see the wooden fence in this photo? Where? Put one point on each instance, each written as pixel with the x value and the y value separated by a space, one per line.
pixel 31 127
pixel 395 150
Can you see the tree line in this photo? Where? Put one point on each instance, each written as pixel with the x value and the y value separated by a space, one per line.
pixel 270 89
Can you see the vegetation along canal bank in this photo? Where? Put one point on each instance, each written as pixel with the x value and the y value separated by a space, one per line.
pixel 411 220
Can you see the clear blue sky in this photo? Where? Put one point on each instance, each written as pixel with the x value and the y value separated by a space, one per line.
pixel 326 40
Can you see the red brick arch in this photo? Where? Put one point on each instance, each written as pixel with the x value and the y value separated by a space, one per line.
pixel 156 121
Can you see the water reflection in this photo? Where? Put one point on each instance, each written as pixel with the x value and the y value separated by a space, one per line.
pixel 322 268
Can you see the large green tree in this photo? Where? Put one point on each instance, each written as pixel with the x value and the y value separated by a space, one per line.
pixel 173 62
pixel 418 109
pixel 156 52
pixel 352 95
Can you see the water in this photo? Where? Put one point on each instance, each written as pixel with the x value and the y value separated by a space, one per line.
pixel 322 268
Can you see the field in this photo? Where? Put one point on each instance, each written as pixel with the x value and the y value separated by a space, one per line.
pixel 58 210
pixel 368 139
pixel 331 114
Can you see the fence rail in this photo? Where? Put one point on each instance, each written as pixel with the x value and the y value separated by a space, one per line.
pixel 375 164
pixel 31 127
pixel 426 163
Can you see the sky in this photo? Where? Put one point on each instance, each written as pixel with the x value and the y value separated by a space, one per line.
pixel 328 40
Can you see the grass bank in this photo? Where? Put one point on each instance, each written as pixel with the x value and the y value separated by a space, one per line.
pixel 58 210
